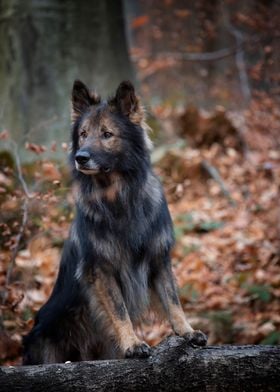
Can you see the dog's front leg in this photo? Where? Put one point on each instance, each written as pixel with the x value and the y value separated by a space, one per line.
pixel 110 298
pixel 167 292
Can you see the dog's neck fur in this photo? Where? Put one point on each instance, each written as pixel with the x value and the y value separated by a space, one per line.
pixel 108 188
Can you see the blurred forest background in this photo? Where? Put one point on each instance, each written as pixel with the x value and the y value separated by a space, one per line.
pixel 208 73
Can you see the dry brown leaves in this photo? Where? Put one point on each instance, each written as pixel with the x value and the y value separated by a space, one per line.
pixel 227 255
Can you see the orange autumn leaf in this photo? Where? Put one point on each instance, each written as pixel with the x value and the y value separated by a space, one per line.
pixel 36 148
pixel 140 21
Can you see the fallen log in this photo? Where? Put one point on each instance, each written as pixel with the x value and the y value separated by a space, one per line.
pixel 173 366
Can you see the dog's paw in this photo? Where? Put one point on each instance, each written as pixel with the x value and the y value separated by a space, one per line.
pixel 196 338
pixel 142 350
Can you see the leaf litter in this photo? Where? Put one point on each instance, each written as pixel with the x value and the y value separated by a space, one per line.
pixel 227 254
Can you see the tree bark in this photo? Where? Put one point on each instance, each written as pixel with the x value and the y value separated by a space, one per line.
pixel 173 366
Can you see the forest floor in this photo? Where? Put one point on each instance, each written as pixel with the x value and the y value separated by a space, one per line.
pixel 221 174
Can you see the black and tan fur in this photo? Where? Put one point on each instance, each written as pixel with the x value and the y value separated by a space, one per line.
pixel 116 263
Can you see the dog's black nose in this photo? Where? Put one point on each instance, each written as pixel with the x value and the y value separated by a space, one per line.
pixel 82 157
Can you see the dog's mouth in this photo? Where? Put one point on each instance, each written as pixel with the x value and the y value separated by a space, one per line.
pixel 87 169
pixel 91 169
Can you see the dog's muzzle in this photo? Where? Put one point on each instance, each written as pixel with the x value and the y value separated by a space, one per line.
pixel 82 157
pixel 85 164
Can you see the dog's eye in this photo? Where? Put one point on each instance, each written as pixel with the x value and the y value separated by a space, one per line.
pixel 83 134
pixel 107 135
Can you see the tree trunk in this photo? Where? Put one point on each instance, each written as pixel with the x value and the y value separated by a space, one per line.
pixel 44 46
pixel 173 366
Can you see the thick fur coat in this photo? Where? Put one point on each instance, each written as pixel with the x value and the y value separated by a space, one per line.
pixel 115 264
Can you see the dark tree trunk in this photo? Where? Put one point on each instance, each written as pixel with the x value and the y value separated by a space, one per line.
pixel 44 46
pixel 173 366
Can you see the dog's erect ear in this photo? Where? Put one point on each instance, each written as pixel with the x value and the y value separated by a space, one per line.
pixel 125 99
pixel 82 99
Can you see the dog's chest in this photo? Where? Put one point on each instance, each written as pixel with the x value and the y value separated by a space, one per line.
pixel 126 257
pixel 121 246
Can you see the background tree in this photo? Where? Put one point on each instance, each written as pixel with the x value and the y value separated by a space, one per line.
pixel 44 46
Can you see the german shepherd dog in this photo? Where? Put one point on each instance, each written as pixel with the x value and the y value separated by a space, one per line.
pixel 116 263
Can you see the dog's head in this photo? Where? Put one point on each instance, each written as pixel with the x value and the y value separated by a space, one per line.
pixel 108 136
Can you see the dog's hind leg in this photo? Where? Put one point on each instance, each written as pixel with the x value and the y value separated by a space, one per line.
pixel 40 350
pixel 111 303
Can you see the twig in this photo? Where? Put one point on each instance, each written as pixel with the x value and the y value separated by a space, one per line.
pixel 19 171
pixel 24 215
pixel 239 55
pixel 213 172
pixel 205 56
pixel 240 64
pixel 202 56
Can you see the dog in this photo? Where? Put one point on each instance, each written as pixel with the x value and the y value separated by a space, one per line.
pixel 115 265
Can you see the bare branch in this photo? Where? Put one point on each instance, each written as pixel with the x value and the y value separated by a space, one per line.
pixel 24 214
pixel 213 172
pixel 19 171
pixel 240 64
pixel 241 39
pixel 203 56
